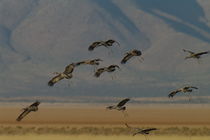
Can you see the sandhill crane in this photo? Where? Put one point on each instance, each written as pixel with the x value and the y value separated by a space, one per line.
pixel 141 131
pixel 33 107
pixel 110 42
pixel 67 74
pixel 106 44
pixel 90 62
pixel 195 55
pixel 120 106
pixel 184 90
pixel 130 54
pixel 110 68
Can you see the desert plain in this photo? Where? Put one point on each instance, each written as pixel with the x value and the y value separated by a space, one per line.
pixel 94 122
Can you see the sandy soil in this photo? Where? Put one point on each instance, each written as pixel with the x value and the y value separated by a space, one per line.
pixel 92 115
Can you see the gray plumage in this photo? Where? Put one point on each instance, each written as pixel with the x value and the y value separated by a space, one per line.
pixel 33 107
pixel 89 62
pixel 184 90
pixel 141 131
pixel 120 106
pixel 130 54
pixel 195 55
pixel 106 44
pixel 67 74
pixel 109 69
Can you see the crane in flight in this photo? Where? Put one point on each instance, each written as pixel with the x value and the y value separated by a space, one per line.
pixel 33 107
pixel 120 106
pixel 144 132
pixel 183 89
pixel 195 55
pixel 106 44
pixel 131 54
pixel 109 69
pixel 67 74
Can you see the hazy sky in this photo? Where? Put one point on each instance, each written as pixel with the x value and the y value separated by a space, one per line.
pixel 39 37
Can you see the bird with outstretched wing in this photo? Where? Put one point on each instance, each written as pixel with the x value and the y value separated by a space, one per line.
pixel 131 54
pixel 33 107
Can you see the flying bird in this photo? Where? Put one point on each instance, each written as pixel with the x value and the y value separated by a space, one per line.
pixel 131 54
pixel 33 107
pixel 111 42
pixel 195 55
pixel 95 45
pixel 141 131
pixel 106 44
pixel 184 90
pixel 67 74
pixel 110 68
pixel 90 62
pixel 120 106
pixel 145 131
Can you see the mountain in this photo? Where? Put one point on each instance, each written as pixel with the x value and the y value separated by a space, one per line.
pixel 39 37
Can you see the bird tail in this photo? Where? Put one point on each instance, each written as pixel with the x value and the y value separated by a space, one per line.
pixel 50 83
pixel 97 74
pixel 123 61
pixel 91 48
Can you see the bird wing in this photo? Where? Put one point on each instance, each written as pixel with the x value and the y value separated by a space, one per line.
pixel 99 72
pixel 94 45
pixel 173 93
pixel 69 68
pixel 201 53
pixel 192 87
pixel 35 103
pixel 55 79
pixel 123 102
pixel 188 51
pixel 110 42
pixel 23 114
pixel 80 63
pixel 150 129
pixel 126 58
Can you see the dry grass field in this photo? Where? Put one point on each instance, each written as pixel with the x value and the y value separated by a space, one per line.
pixel 90 122
pixel 88 137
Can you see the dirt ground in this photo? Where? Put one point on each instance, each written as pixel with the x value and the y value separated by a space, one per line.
pixel 98 115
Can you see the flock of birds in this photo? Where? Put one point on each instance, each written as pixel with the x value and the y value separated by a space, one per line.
pixel 69 69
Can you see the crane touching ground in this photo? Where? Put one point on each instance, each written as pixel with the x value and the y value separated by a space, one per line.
pixel 144 132
pixel 33 107
pixel 195 55
pixel 109 69
pixel 184 90
pixel 131 54
pixel 67 74
pixel 106 44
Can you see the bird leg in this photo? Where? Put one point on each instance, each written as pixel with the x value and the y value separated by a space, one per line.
pixel 56 73
pixel 125 113
pixel 94 68
pixel 146 137
pixel 110 51
pixel 139 60
pixel 190 97
pixel 199 61
pixel 142 58
pixel 70 83
pixel 112 77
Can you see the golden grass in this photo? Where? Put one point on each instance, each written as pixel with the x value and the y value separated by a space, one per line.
pixel 89 137
pixel 100 130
